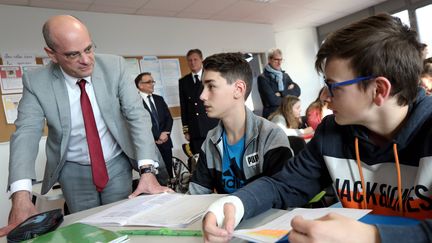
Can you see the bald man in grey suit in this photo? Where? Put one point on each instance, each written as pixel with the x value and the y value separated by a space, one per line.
pixel 51 94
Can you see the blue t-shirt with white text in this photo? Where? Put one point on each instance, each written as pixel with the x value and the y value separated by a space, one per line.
pixel 232 164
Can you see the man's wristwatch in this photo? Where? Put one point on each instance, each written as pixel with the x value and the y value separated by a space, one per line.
pixel 144 169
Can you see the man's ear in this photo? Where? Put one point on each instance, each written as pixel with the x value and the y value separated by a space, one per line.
pixel 382 90
pixel 51 54
pixel 239 88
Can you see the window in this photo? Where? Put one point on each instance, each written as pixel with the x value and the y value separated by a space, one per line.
pixel 424 18
pixel 404 17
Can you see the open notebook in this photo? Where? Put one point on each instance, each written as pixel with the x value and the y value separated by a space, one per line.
pixel 160 210
pixel 280 227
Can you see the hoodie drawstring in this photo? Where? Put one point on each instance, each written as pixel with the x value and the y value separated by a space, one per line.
pixel 399 179
pixel 361 173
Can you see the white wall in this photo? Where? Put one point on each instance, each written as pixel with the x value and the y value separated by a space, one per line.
pixel 299 48
pixel 136 35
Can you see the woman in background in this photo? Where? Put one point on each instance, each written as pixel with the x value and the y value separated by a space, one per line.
pixel 426 76
pixel 288 117
pixel 316 111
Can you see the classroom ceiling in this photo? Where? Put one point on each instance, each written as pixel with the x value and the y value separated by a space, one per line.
pixel 282 14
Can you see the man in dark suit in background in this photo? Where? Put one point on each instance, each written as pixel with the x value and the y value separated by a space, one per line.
pixel 160 116
pixel 194 118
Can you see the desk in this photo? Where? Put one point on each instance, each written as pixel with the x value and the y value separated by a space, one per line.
pixel 250 223
pixel 51 200
pixel 253 222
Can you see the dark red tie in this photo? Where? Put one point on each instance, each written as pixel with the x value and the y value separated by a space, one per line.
pixel 99 171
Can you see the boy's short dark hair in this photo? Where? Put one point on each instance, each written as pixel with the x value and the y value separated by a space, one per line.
pixel 194 51
pixel 379 45
pixel 139 77
pixel 231 66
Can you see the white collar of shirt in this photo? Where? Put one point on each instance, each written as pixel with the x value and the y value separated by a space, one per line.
pixel 199 73
pixel 144 96
pixel 71 81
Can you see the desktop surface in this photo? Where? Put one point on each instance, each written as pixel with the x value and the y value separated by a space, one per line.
pixel 249 223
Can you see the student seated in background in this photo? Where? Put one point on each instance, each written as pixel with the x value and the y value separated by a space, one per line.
pixel 161 118
pixel 426 76
pixel 288 117
pixel 376 149
pixel 317 110
pixel 243 146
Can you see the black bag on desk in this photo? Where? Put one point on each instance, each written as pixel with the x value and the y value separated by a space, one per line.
pixel 36 225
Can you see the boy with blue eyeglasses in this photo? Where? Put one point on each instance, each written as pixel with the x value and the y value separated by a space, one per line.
pixel 376 150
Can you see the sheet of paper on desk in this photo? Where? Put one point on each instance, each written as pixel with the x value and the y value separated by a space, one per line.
pixel 160 210
pixel 279 227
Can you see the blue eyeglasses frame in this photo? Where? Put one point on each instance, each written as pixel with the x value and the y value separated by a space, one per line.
pixel 331 86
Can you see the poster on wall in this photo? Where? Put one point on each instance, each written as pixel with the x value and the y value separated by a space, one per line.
pixel 151 64
pixel 132 67
pixel 13 58
pixel 10 105
pixel 170 70
pixel 11 79
pixel 166 72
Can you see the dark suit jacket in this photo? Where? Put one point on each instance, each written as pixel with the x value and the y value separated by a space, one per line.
pixel 193 115
pixel 165 121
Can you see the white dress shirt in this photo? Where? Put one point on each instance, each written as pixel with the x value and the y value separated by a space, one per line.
pixel 144 96
pixel 77 151
pixel 199 73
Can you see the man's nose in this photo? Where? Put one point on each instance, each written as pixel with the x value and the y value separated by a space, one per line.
pixel 84 58
pixel 203 95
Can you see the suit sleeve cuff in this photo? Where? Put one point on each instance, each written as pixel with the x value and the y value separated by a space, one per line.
pixel 20 185
pixel 142 162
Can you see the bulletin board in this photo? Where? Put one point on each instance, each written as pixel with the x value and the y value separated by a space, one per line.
pixel 6 130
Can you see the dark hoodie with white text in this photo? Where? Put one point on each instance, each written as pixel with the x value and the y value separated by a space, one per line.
pixel 330 159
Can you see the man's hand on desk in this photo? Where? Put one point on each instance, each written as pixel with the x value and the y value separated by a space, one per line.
pixel 22 208
pixel 149 185
pixel 212 233
pixel 332 228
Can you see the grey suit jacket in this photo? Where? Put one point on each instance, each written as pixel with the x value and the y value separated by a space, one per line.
pixel 45 98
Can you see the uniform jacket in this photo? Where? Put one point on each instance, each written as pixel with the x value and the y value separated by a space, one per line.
pixel 193 115
pixel 45 99
pixel 266 150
